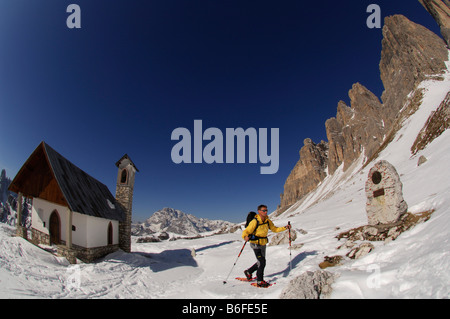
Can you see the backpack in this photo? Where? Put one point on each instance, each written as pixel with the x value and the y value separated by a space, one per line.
pixel 251 216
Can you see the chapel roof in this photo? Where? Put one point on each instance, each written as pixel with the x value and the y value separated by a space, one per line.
pixel 48 175
pixel 126 157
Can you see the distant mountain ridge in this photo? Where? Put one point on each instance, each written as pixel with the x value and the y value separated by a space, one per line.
pixel 175 221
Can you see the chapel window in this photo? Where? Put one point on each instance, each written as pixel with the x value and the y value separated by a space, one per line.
pixel 124 176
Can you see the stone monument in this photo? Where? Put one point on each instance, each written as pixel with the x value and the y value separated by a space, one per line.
pixel 384 190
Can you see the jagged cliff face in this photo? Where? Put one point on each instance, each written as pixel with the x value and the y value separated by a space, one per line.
pixel 309 171
pixel 410 53
pixel 355 129
pixel 440 11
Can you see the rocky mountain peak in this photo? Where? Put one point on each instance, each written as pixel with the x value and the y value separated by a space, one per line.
pixel 175 221
pixel 360 126
pixel 309 171
pixel 440 11
pixel 410 54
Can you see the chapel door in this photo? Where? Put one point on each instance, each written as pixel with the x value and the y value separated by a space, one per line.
pixel 55 228
pixel 110 234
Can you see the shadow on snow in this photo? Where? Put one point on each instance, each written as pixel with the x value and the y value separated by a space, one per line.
pixel 157 262
pixel 215 245
pixel 165 260
pixel 295 261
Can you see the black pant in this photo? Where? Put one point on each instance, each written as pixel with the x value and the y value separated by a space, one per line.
pixel 260 253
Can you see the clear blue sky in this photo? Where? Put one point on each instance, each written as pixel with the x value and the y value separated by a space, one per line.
pixel 138 69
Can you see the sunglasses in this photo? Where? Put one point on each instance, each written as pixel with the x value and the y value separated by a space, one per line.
pixel 263 210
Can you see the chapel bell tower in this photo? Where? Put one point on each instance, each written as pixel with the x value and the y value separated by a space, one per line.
pixel 124 196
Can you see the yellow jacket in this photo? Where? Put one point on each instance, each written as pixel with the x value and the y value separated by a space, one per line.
pixel 262 231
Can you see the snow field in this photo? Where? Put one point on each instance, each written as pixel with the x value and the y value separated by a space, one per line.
pixel 415 265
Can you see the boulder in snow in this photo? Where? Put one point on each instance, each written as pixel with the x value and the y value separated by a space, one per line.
pixel 309 285
pixel 283 238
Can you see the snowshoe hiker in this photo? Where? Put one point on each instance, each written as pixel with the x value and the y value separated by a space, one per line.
pixel 256 232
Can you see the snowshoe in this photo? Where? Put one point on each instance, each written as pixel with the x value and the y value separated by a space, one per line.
pixel 263 284
pixel 245 279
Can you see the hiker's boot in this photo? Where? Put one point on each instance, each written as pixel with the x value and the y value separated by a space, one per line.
pixel 248 275
pixel 263 284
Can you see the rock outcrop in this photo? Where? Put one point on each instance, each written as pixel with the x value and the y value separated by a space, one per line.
pixel 282 238
pixel 358 239
pixel 440 11
pixel 437 123
pixel 310 285
pixel 309 171
pixel 410 54
pixel 360 127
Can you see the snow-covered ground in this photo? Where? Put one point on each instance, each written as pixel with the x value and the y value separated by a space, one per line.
pixel 415 265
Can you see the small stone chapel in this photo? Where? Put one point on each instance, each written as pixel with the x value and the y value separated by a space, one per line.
pixel 71 209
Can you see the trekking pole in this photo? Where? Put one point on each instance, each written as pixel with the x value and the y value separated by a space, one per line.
pixel 290 248
pixel 235 263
